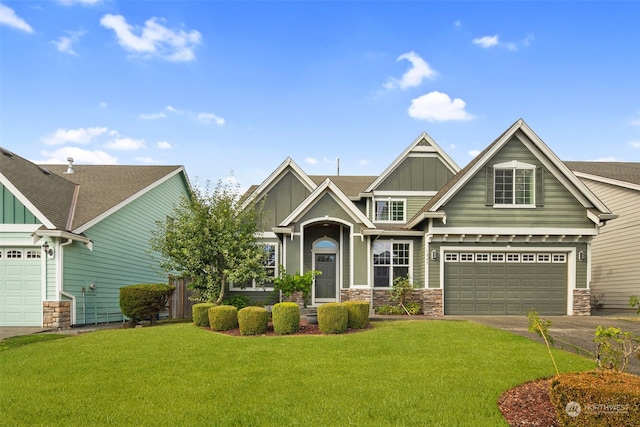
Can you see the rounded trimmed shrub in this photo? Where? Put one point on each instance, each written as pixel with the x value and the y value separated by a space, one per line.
pixel 200 313
pixel 253 320
pixel 142 301
pixel 286 318
pixel 333 318
pixel 223 317
pixel 358 314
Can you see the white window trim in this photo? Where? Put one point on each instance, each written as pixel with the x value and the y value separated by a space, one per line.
pixel 410 266
pixel 513 166
pixel 389 200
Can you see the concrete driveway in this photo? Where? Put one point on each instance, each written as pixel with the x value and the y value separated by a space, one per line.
pixel 570 333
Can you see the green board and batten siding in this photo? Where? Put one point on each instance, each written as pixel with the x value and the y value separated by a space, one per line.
pixel 468 207
pixel 119 257
pixel 417 174
pixel 13 211
pixel 280 200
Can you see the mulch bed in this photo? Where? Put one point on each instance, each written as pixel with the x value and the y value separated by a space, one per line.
pixel 525 405
pixel 529 404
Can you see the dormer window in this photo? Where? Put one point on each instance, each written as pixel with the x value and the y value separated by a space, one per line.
pixel 514 184
pixel 389 210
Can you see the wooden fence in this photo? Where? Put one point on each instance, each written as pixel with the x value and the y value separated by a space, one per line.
pixel 180 305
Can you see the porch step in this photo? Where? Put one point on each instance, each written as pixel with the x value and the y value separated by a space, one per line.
pixel 308 310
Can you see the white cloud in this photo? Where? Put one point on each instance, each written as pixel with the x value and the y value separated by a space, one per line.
pixel 163 145
pixel 173 110
pixel 363 162
pixel 64 43
pixel 209 117
pixel 413 77
pixel 77 136
pixel 153 116
pixel 474 153
pixel 95 157
pixel 9 18
pixel 311 160
pixel 438 107
pixel 636 122
pixel 154 39
pixel 102 105
pixel 635 144
pixel 486 41
pixel 457 25
pixel 125 144
pixel 493 41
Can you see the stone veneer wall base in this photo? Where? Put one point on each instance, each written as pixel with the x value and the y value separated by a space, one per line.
pixel 582 302
pixel 56 314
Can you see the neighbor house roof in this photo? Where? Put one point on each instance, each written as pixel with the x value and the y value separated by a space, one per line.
pixel 75 201
pixel 617 171
pixel 351 186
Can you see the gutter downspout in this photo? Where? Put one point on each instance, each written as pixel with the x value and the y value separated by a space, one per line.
pixel 59 281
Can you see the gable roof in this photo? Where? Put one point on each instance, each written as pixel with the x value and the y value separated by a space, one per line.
pixel 624 174
pixel 74 202
pixel 352 186
pixel 422 144
pixel 254 192
pixel 327 186
pixel 538 148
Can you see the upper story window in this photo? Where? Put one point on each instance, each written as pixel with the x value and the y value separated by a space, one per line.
pixel 514 184
pixel 390 210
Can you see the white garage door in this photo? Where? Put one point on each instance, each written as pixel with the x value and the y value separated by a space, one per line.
pixel 20 287
pixel 505 283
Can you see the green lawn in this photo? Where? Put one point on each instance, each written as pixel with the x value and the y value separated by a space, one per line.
pixel 399 373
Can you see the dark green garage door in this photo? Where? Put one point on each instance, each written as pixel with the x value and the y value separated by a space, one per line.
pixel 505 283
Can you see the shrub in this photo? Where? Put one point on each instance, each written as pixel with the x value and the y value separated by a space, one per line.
pixel 411 307
pixel 253 320
pixel 223 317
pixel 634 302
pixel 143 301
pixel 333 318
pixel 286 318
pixel 615 347
pixel 358 314
pixel 288 284
pixel 200 313
pixel 238 301
pixel 596 398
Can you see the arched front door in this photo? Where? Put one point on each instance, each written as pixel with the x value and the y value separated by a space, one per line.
pixel 325 260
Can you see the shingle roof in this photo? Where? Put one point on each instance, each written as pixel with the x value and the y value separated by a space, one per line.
pixel 350 185
pixel 102 187
pixel 49 193
pixel 620 171
pixel 99 188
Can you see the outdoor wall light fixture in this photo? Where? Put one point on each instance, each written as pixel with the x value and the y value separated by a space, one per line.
pixel 434 255
pixel 47 249
pixel 582 256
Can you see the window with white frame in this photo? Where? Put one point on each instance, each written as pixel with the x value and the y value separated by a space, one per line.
pixel 270 265
pixel 390 261
pixel 390 210
pixel 33 254
pixel 514 184
pixel 466 257
pixel 559 258
pixel 451 257
pixel 14 254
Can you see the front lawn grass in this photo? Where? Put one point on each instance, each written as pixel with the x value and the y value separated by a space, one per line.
pixel 398 373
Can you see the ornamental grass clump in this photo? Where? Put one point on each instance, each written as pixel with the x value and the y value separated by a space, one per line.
pixel 253 320
pixel 223 318
pixel 200 314
pixel 286 318
pixel 358 314
pixel 333 318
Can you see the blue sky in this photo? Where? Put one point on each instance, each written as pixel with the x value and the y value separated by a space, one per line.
pixel 236 87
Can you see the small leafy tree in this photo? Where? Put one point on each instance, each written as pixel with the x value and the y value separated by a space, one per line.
pixel 400 290
pixel 143 301
pixel 634 301
pixel 615 347
pixel 288 284
pixel 541 327
pixel 213 240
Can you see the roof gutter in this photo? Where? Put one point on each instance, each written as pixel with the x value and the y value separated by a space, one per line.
pixel 63 235
pixel 426 215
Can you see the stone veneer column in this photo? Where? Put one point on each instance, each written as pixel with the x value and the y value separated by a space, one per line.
pixel 56 314
pixel 295 297
pixel 432 302
pixel 582 302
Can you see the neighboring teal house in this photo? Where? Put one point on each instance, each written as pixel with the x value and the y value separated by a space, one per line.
pixel 72 235
pixel 509 232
